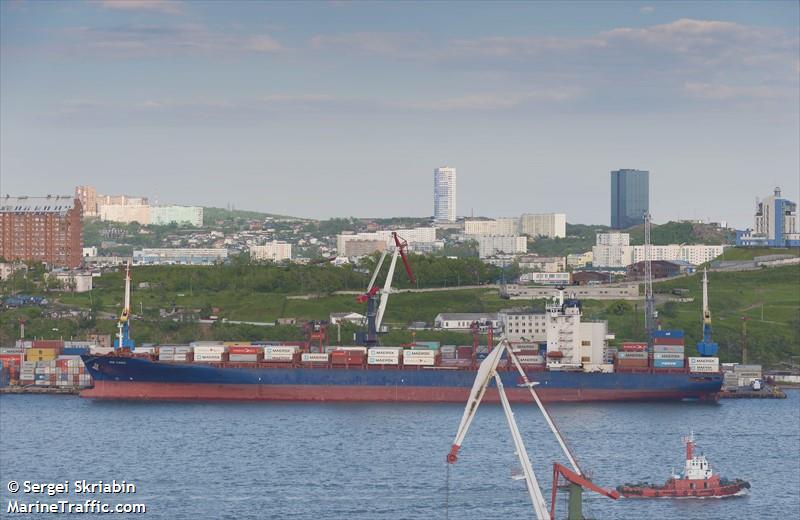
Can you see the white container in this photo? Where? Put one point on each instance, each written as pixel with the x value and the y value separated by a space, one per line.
pixel 385 351
pixel 144 350
pixel 278 358
pixel 279 351
pixel 531 360
pixel 419 361
pixel 667 355
pixel 166 356
pixel 208 356
pixel 418 353
pixel 314 357
pixel 383 360
pixel 100 351
pixel 26 376
pixel 216 349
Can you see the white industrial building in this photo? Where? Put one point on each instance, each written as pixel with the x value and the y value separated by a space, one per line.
pixel 580 259
pixel 545 278
pixel 190 256
pixel 491 227
pixel 125 213
pixel 613 250
pixel 551 225
pixel 695 254
pixel 275 251
pixel 421 235
pixel 463 320
pixel 491 246
pixel 72 281
pixel 444 194
pixel 163 215
pixel 547 264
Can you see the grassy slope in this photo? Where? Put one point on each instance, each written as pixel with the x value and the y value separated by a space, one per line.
pixel 732 295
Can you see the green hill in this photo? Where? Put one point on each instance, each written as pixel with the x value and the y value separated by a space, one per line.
pixel 264 295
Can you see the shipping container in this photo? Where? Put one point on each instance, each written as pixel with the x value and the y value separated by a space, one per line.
pixel 676 333
pixel 668 341
pixel 632 355
pixel 246 350
pixel 668 363
pixel 382 360
pixel 528 359
pixel 431 345
pixel 243 358
pixel 668 355
pixel 419 353
pixel 634 347
pixel 419 361
pixel 464 352
pixel 208 356
pixel 679 349
pixel 314 357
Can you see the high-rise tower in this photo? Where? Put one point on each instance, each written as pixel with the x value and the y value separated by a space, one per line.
pixel 630 197
pixel 444 194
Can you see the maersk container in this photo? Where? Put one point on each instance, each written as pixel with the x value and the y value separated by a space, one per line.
pixel 631 355
pixel 382 360
pixel 419 353
pixel 314 357
pixel 668 355
pixel 667 363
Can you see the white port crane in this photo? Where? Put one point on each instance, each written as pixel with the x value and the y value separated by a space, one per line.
pixel 488 371
pixel 375 315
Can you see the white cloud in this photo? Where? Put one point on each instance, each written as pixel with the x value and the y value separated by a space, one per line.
pixel 647 9
pixel 159 6
pixel 718 91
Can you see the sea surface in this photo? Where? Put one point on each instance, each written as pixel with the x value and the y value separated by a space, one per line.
pixel 387 461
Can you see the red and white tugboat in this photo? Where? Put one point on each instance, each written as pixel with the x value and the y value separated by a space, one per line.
pixel 697 481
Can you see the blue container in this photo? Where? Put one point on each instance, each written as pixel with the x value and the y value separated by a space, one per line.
pixel 667 333
pixel 75 351
pixel 668 363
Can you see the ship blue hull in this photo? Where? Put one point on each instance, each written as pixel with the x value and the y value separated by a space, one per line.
pixel 138 378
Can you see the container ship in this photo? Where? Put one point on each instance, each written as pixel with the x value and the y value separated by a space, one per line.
pixel 573 365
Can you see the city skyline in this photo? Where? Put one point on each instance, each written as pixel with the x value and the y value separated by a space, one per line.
pixel 265 107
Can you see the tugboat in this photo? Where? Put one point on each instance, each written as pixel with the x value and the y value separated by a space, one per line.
pixel 697 481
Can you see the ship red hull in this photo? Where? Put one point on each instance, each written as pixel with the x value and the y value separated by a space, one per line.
pixel 681 489
pixel 333 393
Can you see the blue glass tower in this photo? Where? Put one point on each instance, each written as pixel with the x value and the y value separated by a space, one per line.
pixel 630 197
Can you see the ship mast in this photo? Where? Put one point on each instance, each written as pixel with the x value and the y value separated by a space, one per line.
pixel 650 313
pixel 123 324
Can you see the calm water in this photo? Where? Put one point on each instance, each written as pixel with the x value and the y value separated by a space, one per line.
pixel 313 461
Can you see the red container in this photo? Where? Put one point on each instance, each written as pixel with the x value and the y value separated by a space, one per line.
pixel 10 359
pixel 464 352
pixel 347 357
pixel 244 350
pixel 667 341
pixel 632 362
pixel 47 343
pixel 634 347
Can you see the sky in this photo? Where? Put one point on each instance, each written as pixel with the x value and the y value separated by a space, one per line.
pixel 322 109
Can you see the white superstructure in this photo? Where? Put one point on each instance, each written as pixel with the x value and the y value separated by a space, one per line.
pixel 444 194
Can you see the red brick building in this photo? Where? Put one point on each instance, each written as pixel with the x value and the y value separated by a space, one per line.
pixel 42 229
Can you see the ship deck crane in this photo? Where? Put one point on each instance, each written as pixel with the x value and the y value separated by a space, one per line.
pixel 376 307
pixel 123 324
pixel 486 373
pixel 707 347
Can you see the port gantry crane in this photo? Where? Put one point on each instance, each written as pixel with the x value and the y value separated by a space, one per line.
pixel 707 347
pixel 486 373
pixel 123 324
pixel 375 309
